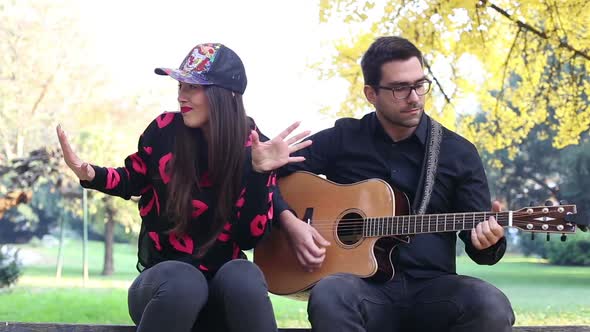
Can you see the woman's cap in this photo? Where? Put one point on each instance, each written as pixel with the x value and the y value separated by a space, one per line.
pixel 210 64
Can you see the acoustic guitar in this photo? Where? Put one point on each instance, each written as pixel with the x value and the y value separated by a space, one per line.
pixel 364 222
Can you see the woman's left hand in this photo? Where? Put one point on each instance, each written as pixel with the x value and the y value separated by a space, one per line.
pixel 272 154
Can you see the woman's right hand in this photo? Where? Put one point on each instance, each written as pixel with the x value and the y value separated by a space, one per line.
pixel 82 169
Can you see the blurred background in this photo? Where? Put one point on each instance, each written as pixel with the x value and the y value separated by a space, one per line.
pixel 511 76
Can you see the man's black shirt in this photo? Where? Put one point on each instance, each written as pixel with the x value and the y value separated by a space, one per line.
pixel 359 149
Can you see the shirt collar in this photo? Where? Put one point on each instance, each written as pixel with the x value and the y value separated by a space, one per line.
pixel 421 132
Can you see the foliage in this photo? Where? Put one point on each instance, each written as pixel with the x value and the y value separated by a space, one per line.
pixel 10 268
pixel 540 172
pixel 49 74
pixel 45 71
pixel 533 246
pixel 574 251
pixel 525 63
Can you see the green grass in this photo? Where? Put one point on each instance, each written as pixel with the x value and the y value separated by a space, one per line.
pixel 541 294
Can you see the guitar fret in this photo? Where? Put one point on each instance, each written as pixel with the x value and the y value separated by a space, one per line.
pixel 375 227
pixel 391 227
pixel 422 224
pixel 437 223
pixel 445 223
pixel 408 225
pixel 403 224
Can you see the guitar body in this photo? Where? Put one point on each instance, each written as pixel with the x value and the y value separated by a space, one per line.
pixel 324 201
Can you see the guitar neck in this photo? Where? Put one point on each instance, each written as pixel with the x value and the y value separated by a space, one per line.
pixel 430 223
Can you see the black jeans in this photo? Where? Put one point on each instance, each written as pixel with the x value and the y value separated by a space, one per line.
pixel 175 297
pixel 346 303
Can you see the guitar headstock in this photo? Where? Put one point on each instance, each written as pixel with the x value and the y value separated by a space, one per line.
pixel 546 219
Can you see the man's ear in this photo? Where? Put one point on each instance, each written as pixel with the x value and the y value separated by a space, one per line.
pixel 370 94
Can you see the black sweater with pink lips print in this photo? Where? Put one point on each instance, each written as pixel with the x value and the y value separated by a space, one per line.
pixel 145 175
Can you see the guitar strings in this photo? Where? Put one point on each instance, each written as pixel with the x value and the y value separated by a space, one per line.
pixel 414 218
pixel 358 223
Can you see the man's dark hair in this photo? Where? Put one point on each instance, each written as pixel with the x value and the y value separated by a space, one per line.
pixel 383 50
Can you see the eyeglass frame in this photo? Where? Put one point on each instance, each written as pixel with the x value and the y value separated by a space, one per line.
pixel 413 87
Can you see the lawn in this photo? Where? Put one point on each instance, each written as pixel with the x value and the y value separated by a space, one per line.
pixel 541 294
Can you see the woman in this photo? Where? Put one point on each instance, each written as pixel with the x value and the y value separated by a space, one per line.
pixel 206 183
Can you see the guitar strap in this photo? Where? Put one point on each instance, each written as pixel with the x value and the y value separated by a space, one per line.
pixel 429 167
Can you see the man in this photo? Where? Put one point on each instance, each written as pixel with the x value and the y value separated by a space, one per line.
pixel 426 294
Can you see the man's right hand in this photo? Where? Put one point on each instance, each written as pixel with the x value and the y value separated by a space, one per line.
pixel 82 169
pixel 308 244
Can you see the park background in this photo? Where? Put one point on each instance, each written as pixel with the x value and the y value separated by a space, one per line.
pixel 511 76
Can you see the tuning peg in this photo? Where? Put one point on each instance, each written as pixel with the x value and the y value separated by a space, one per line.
pixel 548 237
pixel 532 203
pixel 570 217
pixel 532 236
pixel 563 202
pixel 563 237
pixel 548 202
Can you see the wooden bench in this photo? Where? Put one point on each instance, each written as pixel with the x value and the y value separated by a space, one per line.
pixel 49 327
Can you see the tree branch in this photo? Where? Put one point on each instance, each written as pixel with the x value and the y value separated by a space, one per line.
pixel 501 94
pixel 537 32
pixel 437 82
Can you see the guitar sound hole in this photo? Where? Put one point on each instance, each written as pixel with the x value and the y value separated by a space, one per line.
pixel 350 228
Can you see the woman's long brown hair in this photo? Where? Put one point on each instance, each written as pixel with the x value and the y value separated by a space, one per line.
pixel 228 134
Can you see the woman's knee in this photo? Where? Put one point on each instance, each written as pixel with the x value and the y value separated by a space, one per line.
pixel 179 280
pixel 168 288
pixel 239 276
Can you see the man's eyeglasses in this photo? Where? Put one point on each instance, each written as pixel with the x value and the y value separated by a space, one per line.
pixel 403 92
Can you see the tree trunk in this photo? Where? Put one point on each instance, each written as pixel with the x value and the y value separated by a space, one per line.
pixel 109 239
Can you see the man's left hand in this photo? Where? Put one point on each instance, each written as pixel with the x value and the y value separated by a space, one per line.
pixel 489 232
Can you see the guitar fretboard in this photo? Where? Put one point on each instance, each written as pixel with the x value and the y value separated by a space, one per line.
pixel 430 223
